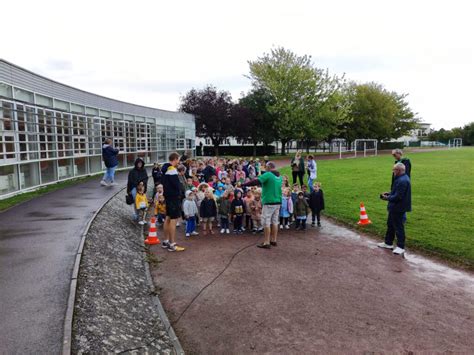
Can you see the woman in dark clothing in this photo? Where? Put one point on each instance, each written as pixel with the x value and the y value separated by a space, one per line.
pixel 297 168
pixel 316 203
pixel 135 176
pixel 156 174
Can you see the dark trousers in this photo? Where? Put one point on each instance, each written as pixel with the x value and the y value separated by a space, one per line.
pixel 248 222
pixel 395 227
pixel 298 174
pixel 225 222
pixel 238 222
pixel 316 214
pixel 284 221
pixel 302 221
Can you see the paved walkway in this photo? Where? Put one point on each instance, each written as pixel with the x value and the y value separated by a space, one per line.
pixel 327 290
pixel 38 244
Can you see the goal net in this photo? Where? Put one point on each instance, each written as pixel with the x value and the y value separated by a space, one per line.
pixel 358 148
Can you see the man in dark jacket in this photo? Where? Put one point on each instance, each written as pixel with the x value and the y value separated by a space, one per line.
pixel 172 193
pixel 109 155
pixel 135 176
pixel 399 202
pixel 209 171
pixel 398 155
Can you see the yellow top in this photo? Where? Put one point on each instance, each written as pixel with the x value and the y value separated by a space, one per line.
pixel 160 208
pixel 141 201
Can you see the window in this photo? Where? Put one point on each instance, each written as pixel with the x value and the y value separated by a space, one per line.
pixel 6 117
pixel 29 175
pixel 5 90
pixel 23 95
pixel 7 147
pixel 8 179
pixel 208 141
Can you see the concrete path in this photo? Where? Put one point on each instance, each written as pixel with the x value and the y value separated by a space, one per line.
pixel 38 244
pixel 327 290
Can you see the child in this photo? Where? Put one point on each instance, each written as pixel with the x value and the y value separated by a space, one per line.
pixel 208 211
pixel 219 191
pixel 286 209
pixel 195 181
pixel 141 202
pixel 316 203
pixel 224 212
pixel 238 210
pixel 256 210
pixel 189 184
pixel 248 215
pixel 304 190
pixel 286 182
pixel 160 208
pixel 301 211
pixel 190 210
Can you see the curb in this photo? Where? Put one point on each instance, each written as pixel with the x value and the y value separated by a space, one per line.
pixel 166 322
pixel 67 334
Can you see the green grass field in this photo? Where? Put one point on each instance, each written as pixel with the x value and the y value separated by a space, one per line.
pixel 442 220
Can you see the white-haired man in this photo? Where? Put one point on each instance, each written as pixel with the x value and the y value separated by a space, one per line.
pixel 399 202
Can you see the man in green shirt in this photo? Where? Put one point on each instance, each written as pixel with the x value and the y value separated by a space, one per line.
pixel 271 183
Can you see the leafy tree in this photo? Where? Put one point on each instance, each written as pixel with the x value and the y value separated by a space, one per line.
pixel 299 91
pixel 212 110
pixel 255 123
pixel 376 113
pixel 468 134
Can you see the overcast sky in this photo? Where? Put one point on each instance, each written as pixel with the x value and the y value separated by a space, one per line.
pixel 152 52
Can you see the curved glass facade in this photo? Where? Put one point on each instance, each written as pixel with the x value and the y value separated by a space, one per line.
pixel 46 138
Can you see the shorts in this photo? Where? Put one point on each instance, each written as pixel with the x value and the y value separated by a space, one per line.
pixel 270 215
pixel 173 208
pixel 207 219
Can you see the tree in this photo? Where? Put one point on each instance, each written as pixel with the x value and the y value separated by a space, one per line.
pixel 376 113
pixel 212 110
pixel 255 123
pixel 298 91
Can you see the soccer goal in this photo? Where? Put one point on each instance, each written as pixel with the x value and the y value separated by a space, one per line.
pixel 365 147
pixel 455 143
pixel 368 147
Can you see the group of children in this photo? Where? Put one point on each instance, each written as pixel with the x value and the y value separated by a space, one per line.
pixel 214 193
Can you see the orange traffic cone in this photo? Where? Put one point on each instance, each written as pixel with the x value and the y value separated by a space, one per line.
pixel 152 237
pixel 364 219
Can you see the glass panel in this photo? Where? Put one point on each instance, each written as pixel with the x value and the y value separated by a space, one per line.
pixel 92 111
pixel 24 95
pixel 62 105
pixel 77 108
pixel 48 171
pixel 131 159
pixel 95 164
pixel 44 100
pixel 8 179
pixel 65 168
pixel 80 166
pixel 6 117
pixel 5 90
pixel 106 114
pixel 29 175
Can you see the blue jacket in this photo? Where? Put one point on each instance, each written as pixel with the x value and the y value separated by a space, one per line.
pixel 399 199
pixel 109 155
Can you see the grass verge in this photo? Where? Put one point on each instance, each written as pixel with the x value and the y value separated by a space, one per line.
pixel 17 199
pixel 441 223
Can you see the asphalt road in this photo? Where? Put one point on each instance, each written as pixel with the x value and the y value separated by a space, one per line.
pixel 38 243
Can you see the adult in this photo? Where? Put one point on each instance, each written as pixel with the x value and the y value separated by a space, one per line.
pixel 312 172
pixel 297 167
pixel 209 171
pixel 398 155
pixel 399 202
pixel 137 175
pixel 271 182
pixel 109 155
pixel 172 193
pixel 156 174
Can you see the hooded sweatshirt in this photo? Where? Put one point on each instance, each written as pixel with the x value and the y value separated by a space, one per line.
pixel 171 184
pixel 109 154
pixel 137 175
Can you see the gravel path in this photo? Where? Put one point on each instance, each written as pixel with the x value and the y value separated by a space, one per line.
pixel 115 309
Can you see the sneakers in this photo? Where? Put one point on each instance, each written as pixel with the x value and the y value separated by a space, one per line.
pixel 227 231
pixel 313 224
pixel 399 251
pixel 319 224
pixel 165 244
pixel 281 226
pixel 384 246
pixel 177 224
pixel 188 235
pixel 287 226
pixel 264 246
pixel 113 184
pixel 194 233
pixel 104 183
pixel 273 244
pixel 174 247
pixel 141 222
pixel 222 230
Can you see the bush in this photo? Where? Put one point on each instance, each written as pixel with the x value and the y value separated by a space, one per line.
pixel 241 151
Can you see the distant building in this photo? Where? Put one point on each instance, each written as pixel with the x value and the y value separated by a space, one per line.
pixel 51 132
pixel 423 130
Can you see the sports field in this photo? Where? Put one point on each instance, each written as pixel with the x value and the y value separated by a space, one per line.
pixel 442 220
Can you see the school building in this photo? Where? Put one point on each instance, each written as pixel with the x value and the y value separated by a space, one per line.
pixel 51 132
